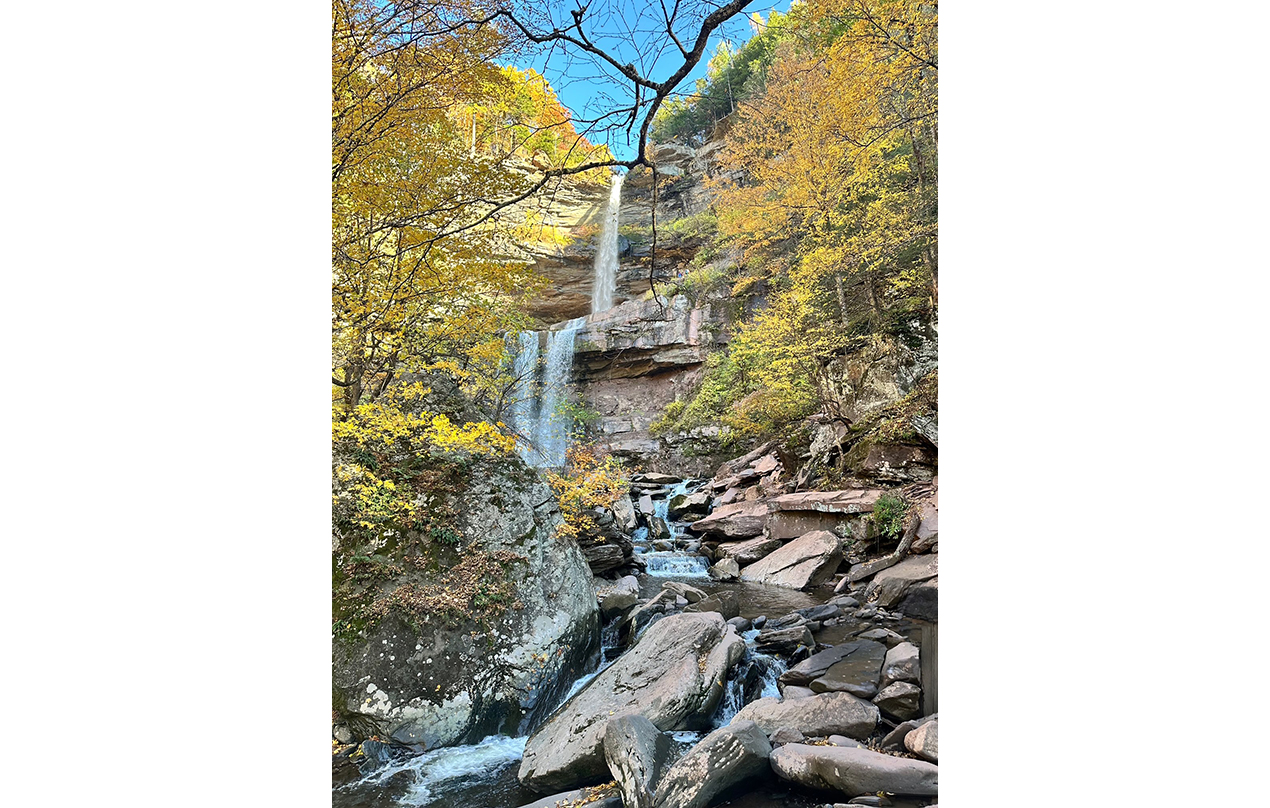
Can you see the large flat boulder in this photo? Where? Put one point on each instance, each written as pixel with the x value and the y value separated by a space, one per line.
pixel 868 652
pixel 890 585
pixel 855 500
pixel 856 673
pixel 903 664
pixel 853 771
pixel 805 562
pixel 741 520
pixel 722 759
pixel 673 676
pixel 748 551
pixel 825 714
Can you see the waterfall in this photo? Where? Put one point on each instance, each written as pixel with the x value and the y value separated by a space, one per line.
pixel 606 257
pixel 543 375
pixel 542 388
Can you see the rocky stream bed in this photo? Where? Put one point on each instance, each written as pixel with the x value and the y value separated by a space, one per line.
pixel 751 654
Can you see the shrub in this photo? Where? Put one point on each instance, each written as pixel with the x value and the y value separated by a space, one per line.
pixel 590 480
pixel 888 516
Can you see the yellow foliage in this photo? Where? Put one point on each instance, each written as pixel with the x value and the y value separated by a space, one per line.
pixel 590 480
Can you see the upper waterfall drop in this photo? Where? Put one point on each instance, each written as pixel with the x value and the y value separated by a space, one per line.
pixel 606 263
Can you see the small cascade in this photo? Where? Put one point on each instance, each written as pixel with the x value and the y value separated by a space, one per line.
pixel 606 263
pixel 754 677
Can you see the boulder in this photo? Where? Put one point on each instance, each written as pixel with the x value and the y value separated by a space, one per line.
pixel 787 735
pixel 636 753
pixel 903 664
pixel 883 635
pixel 440 682
pixel 738 521
pixel 655 478
pixel 924 741
pixel 696 502
pixel 624 513
pixel 722 759
pixel 673 676
pixel 748 551
pixel 891 585
pixel 805 562
pixel 618 595
pixel 819 663
pixel 784 640
pixel 922 601
pixel 853 771
pixel 902 700
pixel 818 716
pixel 724 602
pixel 725 570
pixel 603 557
pixel 895 738
pixel 789 692
pixel 692 593
pixel 646 505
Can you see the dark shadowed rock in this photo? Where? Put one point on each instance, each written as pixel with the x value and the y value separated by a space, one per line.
pixel 883 635
pixel 805 562
pixel 673 676
pixel 784 641
pixel 856 674
pixel 853 771
pixel 825 714
pixel 741 624
pixel 922 601
pixel 901 700
pixel 636 752
pixel 867 653
pixel 691 593
pixel 722 759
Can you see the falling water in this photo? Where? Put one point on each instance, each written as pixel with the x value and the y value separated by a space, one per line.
pixel 551 433
pixel 606 257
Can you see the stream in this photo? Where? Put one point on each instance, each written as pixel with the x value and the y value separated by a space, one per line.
pixel 483 775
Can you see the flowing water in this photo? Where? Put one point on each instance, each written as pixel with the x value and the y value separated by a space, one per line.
pixel 536 413
pixel 606 263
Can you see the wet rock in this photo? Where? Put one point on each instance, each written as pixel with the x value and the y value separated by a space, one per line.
pixel 673 676
pixel 891 585
pixel 759 622
pixel 924 741
pixel 819 663
pixel 636 753
pixel 846 602
pixel 725 570
pixel 740 624
pixel 722 759
pixel 697 502
pixel 724 602
pixel 618 595
pixel 787 621
pixel 692 593
pixel 871 800
pixel 854 772
pixel 805 562
pixel 815 716
pixel 856 673
pixel 374 754
pixel 903 664
pixel 784 641
pixel 822 612
pixel 883 635
pixel 865 612
pixel 901 700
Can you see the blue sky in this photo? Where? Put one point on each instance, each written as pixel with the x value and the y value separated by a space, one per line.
pixel 627 29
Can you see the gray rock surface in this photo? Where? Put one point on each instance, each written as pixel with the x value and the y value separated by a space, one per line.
pixel 607 798
pixel 903 664
pixel 805 562
pixel 924 741
pixel 901 700
pixel 724 602
pixel 437 683
pixel 747 552
pixel 673 676
pixel 817 716
pixel 784 640
pixel 636 753
pixel 854 772
pixel 725 570
pixel 615 596
pixel 890 585
pixel 722 759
